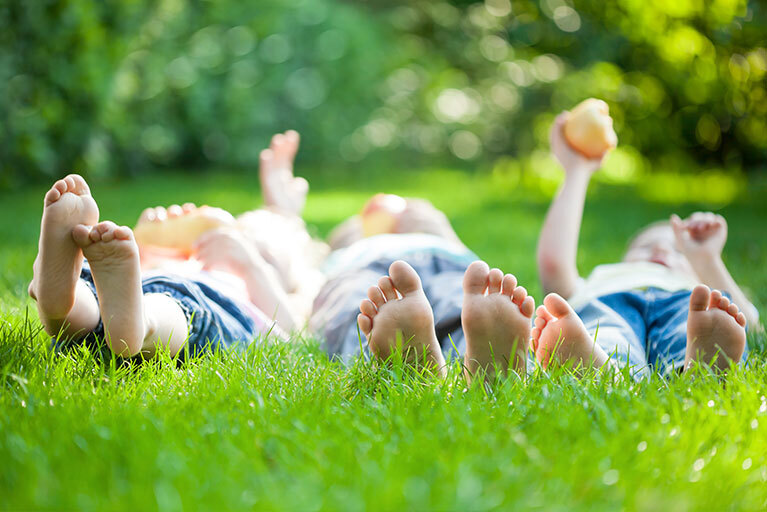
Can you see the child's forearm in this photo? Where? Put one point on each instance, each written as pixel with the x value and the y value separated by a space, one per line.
pixel 558 242
pixel 712 271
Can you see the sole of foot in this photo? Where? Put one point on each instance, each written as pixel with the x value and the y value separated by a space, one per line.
pixel 559 335
pixel 496 318
pixel 59 260
pixel 280 188
pixel 113 257
pixel 397 311
pixel 716 330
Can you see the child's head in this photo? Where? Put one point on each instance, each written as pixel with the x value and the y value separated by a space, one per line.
pixel 656 243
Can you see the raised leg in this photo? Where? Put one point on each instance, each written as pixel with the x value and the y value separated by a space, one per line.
pixel 397 310
pixel 64 306
pixel 559 335
pixel 716 330
pixel 496 319
pixel 133 323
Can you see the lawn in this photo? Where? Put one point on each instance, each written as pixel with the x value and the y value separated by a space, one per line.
pixel 281 427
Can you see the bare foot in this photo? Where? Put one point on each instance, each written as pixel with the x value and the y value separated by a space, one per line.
pixel 559 334
pixel 716 330
pixel 280 188
pixel 114 260
pixel 496 318
pixel 59 260
pixel 383 317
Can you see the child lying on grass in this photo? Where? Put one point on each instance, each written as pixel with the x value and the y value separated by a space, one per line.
pixel 653 310
pixel 434 298
pixel 139 310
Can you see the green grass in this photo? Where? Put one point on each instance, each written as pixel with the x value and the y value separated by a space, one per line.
pixel 281 427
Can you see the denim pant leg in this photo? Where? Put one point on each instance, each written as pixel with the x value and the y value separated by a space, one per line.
pixel 616 326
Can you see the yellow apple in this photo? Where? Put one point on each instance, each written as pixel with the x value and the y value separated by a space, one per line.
pixel 380 214
pixel 181 232
pixel 589 128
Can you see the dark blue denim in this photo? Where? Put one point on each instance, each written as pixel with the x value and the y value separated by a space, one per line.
pixel 646 329
pixel 214 320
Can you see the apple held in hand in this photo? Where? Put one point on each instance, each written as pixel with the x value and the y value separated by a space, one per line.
pixel 380 214
pixel 589 128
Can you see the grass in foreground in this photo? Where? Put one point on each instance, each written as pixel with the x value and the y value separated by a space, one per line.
pixel 281 427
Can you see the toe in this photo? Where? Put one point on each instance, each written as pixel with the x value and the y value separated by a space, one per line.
pixel 80 184
pixel 724 303
pixel 556 305
pixel 174 210
pixel 266 157
pixel 367 308
pixel 161 214
pixel 494 279
pixel 741 319
pixel 540 322
pixel 528 307
pixel 123 233
pixel 509 283
pixel 543 313
pixel 519 295
pixel 365 324
pixel 61 186
pixel 404 277
pixel 716 296
pixel 375 295
pixel 52 196
pixel 475 278
pixel 277 142
pixel 70 182
pixel 188 207
pixel 733 310
pixel 699 298
pixel 81 235
pixel 387 287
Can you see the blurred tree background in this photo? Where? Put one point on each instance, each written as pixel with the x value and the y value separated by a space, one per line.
pixel 129 86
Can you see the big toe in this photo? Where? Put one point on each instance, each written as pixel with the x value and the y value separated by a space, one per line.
pixel 81 235
pixel 404 277
pixel 556 305
pixel 699 298
pixel 475 279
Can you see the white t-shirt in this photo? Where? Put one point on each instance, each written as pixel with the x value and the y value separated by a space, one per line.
pixel 621 277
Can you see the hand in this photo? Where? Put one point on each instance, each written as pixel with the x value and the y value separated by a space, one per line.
pixel 226 249
pixel 571 160
pixel 702 234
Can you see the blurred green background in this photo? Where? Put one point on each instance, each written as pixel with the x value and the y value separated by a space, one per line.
pixel 132 86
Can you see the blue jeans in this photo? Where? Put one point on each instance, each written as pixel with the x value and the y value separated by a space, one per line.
pixel 214 320
pixel 644 329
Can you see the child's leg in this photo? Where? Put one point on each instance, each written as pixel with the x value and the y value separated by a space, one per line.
pixel 559 333
pixel 281 190
pixel 133 322
pixel 716 330
pixel 497 323
pixel 66 306
pixel 385 318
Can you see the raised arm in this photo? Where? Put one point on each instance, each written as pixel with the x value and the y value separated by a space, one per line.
pixel 701 237
pixel 558 242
